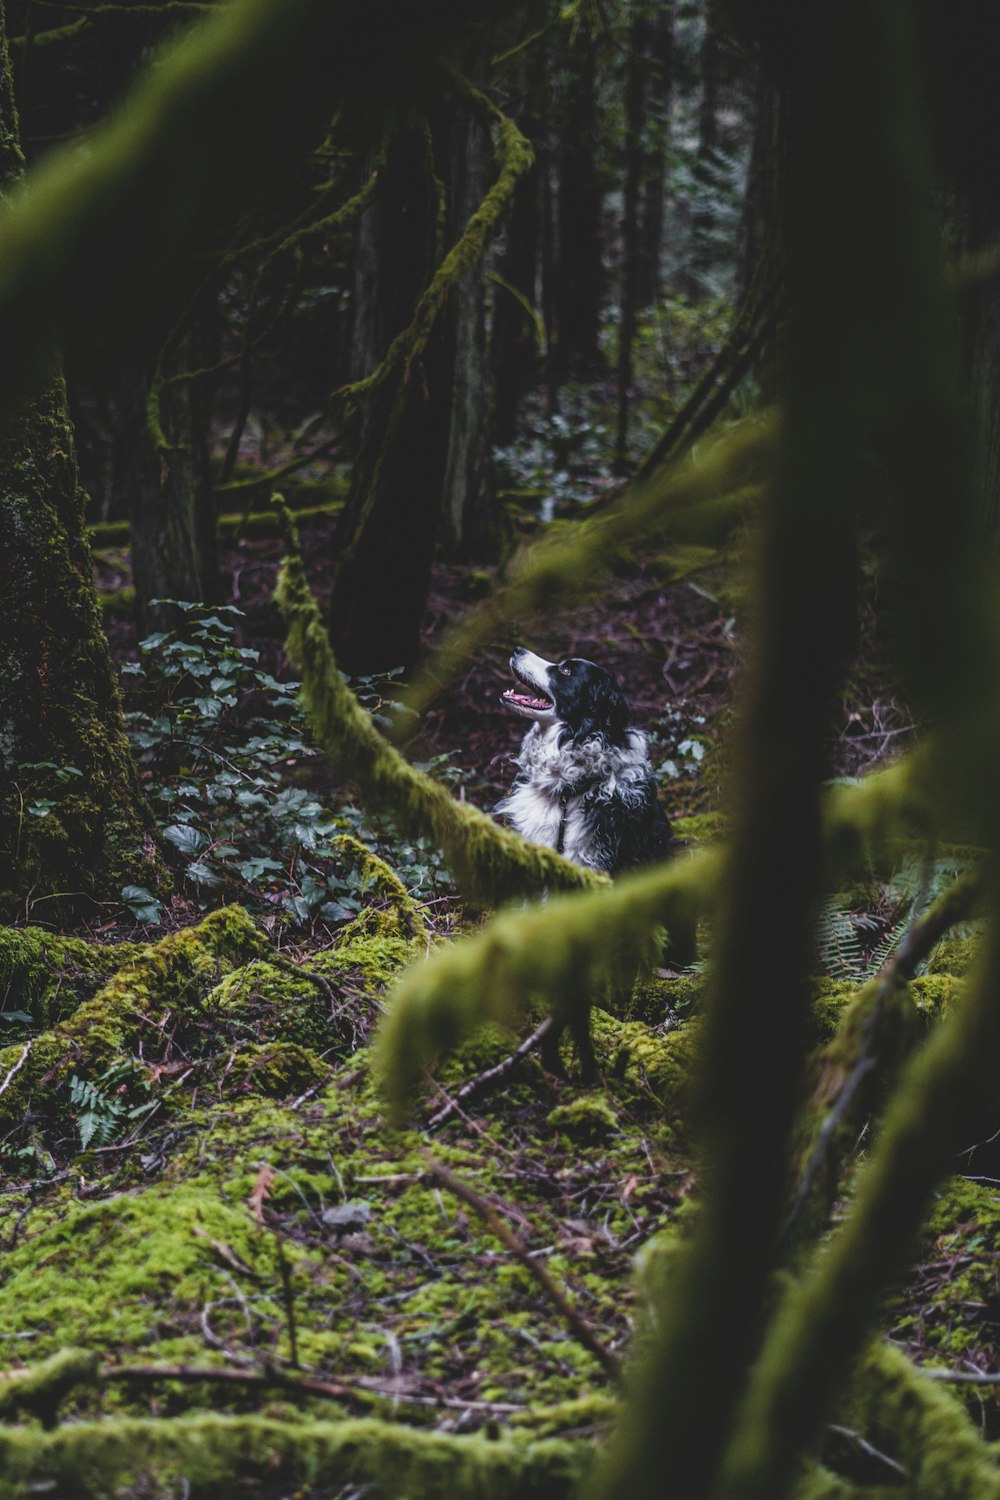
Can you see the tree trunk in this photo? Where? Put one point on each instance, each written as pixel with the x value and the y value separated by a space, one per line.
pixel 703 254
pixel 167 481
pixel 635 99
pixel 391 521
pixel 470 523
pixel 514 343
pixel 579 273
pixel 72 817
pixel 654 185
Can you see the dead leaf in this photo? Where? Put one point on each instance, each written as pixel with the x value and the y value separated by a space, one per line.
pixel 261 1191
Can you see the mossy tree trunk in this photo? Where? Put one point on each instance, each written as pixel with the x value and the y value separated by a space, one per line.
pixel 578 271
pixel 72 817
pixel 514 336
pixel 162 463
pixel 393 512
pixel 470 529
pixel 421 474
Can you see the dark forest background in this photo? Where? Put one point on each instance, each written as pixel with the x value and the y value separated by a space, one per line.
pixel 344 347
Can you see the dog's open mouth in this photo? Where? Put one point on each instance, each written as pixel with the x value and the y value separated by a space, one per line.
pixel 527 698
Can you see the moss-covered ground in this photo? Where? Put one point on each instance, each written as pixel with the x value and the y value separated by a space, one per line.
pixel 229 1222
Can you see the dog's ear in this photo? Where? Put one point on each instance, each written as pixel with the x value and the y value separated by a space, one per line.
pixel 607 712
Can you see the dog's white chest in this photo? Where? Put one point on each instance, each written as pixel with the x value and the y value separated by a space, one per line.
pixel 535 813
pixel 546 806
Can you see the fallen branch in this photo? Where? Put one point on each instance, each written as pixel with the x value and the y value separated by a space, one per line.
pixel 490 1077
pixel 484 1208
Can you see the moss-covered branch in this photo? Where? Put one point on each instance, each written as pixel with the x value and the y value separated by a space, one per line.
pixel 491 863
pixel 214 1456
pixel 693 505
pixel 924 1428
pixel 38 1391
pixel 90 245
pixel 823 1322
pixel 558 954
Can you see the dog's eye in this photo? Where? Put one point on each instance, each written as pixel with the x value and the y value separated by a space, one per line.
pixel 565 671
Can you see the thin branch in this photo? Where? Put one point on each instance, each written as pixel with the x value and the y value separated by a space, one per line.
pixel 488 1213
pixel 17 1066
pixel 310 1385
pixel 490 1077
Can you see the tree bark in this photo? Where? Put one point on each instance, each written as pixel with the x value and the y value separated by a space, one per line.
pixel 654 185
pixel 514 343
pixel 470 528
pixel 579 273
pixel 168 488
pixel 635 99
pixel 391 521
pixel 72 817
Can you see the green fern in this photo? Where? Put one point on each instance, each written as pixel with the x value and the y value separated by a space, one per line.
pixel 100 1111
pixel 855 938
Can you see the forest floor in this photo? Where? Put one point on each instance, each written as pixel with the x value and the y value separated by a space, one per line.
pixel 201 1183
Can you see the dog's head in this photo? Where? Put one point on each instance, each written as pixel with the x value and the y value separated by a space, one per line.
pixel 581 696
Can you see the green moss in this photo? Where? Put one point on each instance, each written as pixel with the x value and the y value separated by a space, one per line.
pixel 701 828
pixel 216 1457
pixel 171 975
pixel 48 976
pixel 936 993
pixel 277 1068
pixel 38 1391
pixel 954 955
pixel 589 1117
pixel 922 1427
pixel 131 1272
pixel 830 1000
pixel 656 1000
pixel 946 1312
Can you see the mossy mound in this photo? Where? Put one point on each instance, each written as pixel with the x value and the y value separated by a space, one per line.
pixel 47 976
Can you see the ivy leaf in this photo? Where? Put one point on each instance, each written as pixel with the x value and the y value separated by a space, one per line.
pixel 187 839
pixel 143 905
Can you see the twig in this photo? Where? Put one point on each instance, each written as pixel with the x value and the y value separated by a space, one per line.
pixel 288 1297
pixel 864 1446
pixel 491 1076
pixel 486 1211
pixel 959 1377
pixel 17 1066
pixel 312 1385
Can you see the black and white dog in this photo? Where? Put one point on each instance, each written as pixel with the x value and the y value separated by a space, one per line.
pixel 585 786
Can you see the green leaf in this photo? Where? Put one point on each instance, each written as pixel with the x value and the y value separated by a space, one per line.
pixel 143 905
pixel 187 839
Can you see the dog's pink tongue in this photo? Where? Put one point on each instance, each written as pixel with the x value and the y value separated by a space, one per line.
pixel 524 700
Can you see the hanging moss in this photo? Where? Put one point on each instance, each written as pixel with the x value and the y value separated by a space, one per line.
pixel 489 862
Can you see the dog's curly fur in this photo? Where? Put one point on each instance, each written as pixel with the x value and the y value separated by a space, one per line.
pixel 585 785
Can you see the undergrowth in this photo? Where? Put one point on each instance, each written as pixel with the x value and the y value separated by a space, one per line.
pixel 225 754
